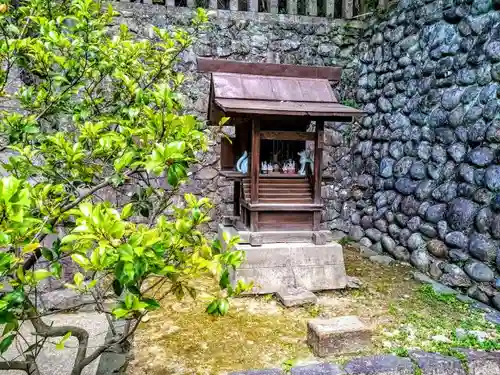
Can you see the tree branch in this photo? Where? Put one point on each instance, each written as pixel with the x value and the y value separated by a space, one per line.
pixel 105 346
pixel 29 366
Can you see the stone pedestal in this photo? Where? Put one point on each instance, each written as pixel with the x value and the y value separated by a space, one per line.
pixel 342 335
pixel 291 297
pixel 275 266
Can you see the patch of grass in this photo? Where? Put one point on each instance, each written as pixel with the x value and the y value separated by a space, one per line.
pixel 428 320
pixel 401 352
pixel 287 365
pixel 314 310
pixel 346 240
pixel 268 297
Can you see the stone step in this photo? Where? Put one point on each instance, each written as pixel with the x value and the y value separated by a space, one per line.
pixel 342 335
pixel 291 297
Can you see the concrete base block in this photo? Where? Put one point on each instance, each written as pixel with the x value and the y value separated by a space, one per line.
pixel 296 297
pixel 342 335
pixel 235 228
pixel 273 267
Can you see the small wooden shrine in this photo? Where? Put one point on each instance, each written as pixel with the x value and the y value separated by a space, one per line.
pixel 275 154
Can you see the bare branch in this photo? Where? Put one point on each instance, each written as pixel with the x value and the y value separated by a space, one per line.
pixel 45 330
pixel 29 366
pixel 106 345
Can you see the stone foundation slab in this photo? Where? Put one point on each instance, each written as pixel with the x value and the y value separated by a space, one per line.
pixel 273 267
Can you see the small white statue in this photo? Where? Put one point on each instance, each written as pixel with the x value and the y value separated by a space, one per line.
pixel 264 167
pixel 289 167
pixel 242 163
pixel 305 158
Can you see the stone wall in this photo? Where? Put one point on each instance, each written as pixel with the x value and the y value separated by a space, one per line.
pixel 419 176
pixel 252 37
pixel 429 80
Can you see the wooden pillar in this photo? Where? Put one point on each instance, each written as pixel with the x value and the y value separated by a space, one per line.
pixel 347 9
pixel 291 6
pixel 318 157
pixel 255 160
pixel 273 6
pixel 212 4
pixel 312 7
pixel 254 221
pixel 236 198
pixel 330 8
pixel 316 222
pixel 233 5
pixel 254 174
pixel 383 4
pixel 253 6
pixel 170 3
pixel 190 3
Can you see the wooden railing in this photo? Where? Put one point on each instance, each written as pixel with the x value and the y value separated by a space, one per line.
pixel 317 8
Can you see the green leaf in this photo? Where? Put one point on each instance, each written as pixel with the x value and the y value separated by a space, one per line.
pixel 129 300
pixel 224 280
pixel 78 279
pixel 9 327
pixel 120 313
pixel 152 303
pixel 86 209
pixel 6 342
pixel 126 253
pixel 125 272
pixel 4 239
pixel 6 317
pixel 172 177
pixel 212 308
pixel 117 287
pixel 41 274
pixel 69 238
pixel 127 211
pixel 56 270
pixel 223 306
pixel 29 248
pixel 60 344
pixel 80 259
pixel 47 254
pixel 15 298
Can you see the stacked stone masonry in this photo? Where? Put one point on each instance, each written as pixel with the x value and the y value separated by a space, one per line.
pixel 429 80
pixel 418 177
pixel 417 362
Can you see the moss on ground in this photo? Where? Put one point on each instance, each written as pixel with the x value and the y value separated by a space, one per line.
pixel 258 333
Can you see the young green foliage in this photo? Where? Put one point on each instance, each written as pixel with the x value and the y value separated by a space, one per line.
pixel 99 147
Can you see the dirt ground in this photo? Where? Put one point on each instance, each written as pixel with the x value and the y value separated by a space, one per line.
pixel 259 333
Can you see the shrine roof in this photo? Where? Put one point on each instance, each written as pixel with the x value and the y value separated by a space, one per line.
pixel 236 93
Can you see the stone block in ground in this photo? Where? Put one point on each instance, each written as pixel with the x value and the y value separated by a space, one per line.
pixel 296 297
pixel 317 369
pixel 482 363
pixel 272 267
pixel 380 365
pixel 342 335
pixel 436 364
